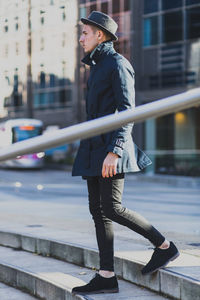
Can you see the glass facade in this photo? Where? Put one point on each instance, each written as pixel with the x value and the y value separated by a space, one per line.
pixel 193 22
pixel 150 6
pixel 169 25
pixel 171 65
pixel 104 7
pixel 191 2
pixel 115 6
pixel 167 4
pixel 172 25
pixel 151 31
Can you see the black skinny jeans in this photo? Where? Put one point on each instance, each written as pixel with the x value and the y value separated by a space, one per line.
pixel 105 196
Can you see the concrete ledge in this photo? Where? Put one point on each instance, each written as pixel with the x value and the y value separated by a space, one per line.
pixel 170 284
pixel 33 284
pixel 190 289
pixel 164 281
pixel 173 180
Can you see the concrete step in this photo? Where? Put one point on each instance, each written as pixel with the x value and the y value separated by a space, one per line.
pixel 52 279
pixel 180 280
pixel 9 293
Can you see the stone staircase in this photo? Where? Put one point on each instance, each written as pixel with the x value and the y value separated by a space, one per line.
pixel 49 269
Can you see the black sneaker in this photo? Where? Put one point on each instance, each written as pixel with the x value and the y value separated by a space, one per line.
pixel 160 258
pixel 97 285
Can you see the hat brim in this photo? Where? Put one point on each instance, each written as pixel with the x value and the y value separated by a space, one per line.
pixel 90 22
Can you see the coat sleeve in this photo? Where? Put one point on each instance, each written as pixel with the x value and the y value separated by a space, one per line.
pixel 123 85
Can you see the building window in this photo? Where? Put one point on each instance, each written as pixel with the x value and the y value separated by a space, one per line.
pixel 127 5
pixel 43 99
pixel 42 44
pixel 165 132
pixel 6 50
pixel 6 28
pixel 63 16
pixel 166 4
pixel 63 39
pixel 42 20
pixel 150 6
pixel 52 80
pixel 83 12
pixel 16 26
pixel 17 48
pixel 172 27
pixel 115 6
pixel 193 23
pixel 104 7
pixel 93 7
pixel 190 2
pixel 42 80
pixel 151 31
pixel 15 88
pixel 65 96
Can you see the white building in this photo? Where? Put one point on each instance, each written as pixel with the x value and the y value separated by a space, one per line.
pixel 53 60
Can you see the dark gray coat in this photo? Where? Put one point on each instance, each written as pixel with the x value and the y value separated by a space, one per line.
pixel 110 89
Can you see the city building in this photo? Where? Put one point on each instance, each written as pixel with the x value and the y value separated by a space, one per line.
pixel 42 74
pixel 38 62
pixel 167 62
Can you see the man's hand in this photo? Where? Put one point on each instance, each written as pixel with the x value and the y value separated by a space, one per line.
pixel 110 165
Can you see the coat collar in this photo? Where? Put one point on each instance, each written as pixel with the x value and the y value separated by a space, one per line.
pixel 100 51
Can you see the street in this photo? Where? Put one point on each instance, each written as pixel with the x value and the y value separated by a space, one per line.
pixel 32 201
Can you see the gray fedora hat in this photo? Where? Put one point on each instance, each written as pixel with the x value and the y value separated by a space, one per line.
pixel 102 21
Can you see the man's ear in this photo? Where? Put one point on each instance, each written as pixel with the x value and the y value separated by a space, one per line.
pixel 100 34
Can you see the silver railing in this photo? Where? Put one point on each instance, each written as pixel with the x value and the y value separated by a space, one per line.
pixel 101 125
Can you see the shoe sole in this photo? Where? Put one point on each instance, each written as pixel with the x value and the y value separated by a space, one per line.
pixel 110 291
pixel 171 259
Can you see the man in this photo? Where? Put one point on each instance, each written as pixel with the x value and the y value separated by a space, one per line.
pixel 103 160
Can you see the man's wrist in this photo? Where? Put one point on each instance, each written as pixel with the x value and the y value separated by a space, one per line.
pixel 113 154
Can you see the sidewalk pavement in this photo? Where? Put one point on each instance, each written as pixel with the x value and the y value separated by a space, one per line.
pixel 180 279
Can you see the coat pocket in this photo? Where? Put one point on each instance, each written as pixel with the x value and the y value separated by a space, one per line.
pixel 142 159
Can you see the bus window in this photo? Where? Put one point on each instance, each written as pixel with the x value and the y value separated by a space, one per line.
pixel 21 133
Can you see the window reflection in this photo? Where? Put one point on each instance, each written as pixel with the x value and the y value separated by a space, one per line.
pixel 116 6
pixel 193 23
pixel 166 4
pixel 172 27
pixel 83 12
pixel 150 6
pixel 151 31
pixel 126 5
pixel 104 7
pixel 190 2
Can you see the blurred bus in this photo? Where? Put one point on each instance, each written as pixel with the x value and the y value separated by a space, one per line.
pixel 16 130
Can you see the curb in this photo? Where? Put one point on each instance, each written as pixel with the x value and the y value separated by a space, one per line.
pixel 166 282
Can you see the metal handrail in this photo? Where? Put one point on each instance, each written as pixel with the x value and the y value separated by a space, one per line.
pixel 101 125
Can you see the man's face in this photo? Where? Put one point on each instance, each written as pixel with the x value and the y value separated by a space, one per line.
pixel 88 39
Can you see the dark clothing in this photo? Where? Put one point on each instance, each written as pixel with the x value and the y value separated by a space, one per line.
pixel 105 206
pixel 110 90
